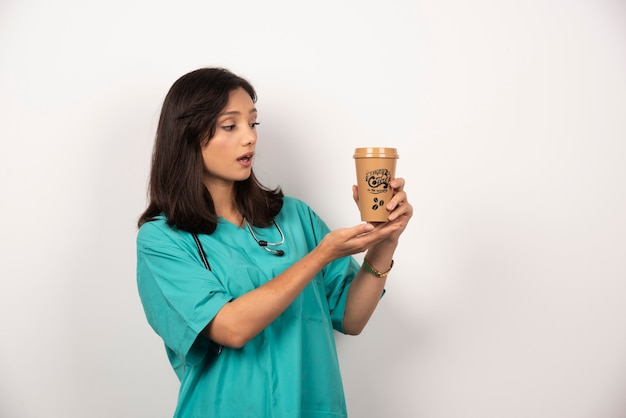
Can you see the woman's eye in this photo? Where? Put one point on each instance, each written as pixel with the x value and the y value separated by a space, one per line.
pixel 228 127
pixel 254 125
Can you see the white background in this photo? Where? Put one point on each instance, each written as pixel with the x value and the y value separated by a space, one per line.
pixel 507 299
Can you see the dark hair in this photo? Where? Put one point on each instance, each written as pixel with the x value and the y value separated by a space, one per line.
pixel 188 117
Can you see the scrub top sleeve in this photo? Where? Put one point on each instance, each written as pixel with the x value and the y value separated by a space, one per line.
pixel 338 276
pixel 179 295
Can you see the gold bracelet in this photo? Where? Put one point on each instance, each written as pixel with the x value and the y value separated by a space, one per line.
pixel 369 268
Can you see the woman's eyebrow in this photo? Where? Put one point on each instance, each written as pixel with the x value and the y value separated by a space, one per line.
pixel 236 112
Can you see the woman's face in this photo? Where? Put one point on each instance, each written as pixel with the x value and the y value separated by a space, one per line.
pixel 229 153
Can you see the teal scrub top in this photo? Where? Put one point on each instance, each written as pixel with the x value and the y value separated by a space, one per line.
pixel 291 368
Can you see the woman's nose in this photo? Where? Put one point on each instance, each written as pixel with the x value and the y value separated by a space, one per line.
pixel 251 136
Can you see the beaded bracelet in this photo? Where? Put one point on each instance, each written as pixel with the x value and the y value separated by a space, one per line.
pixel 369 268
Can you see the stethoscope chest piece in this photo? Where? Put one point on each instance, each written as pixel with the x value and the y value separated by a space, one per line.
pixel 263 243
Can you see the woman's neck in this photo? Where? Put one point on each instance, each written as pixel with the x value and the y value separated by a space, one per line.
pixel 224 202
pixel 233 216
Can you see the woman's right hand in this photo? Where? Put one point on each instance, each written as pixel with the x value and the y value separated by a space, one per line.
pixel 349 241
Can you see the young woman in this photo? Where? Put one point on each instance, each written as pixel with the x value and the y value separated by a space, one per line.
pixel 243 284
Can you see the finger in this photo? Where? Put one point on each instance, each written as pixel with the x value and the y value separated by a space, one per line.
pixel 359 230
pixel 396 200
pixel 361 237
pixel 404 209
pixel 397 184
pixel 355 193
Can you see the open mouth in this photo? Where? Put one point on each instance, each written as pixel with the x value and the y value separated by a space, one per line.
pixel 246 158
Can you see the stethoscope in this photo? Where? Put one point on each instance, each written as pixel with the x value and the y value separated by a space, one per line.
pixel 264 244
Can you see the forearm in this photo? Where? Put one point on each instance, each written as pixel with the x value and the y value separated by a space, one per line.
pixel 242 319
pixel 366 289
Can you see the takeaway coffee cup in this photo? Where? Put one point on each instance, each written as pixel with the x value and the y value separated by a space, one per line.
pixel 375 168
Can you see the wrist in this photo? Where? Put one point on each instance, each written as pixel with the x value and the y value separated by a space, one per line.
pixel 367 265
pixel 322 254
pixel 383 248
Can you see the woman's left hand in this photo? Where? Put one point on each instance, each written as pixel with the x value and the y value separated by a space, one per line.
pixel 400 210
pixel 366 288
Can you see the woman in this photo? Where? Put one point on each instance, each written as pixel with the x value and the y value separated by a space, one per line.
pixel 247 312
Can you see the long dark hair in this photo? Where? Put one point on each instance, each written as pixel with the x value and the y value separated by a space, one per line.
pixel 188 116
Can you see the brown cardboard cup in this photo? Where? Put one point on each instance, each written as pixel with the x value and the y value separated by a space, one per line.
pixel 375 168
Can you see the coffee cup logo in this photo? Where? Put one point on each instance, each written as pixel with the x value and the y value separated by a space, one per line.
pixel 378 180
